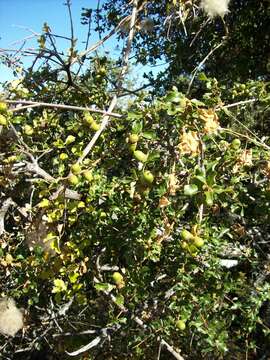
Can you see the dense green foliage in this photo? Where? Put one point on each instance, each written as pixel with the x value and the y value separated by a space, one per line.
pixel 166 234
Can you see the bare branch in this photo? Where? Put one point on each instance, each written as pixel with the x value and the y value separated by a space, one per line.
pixel 59 106
pixel 113 103
pixel 201 64
pixel 171 350
pixel 3 210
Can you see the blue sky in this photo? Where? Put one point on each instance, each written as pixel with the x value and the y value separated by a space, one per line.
pixel 17 16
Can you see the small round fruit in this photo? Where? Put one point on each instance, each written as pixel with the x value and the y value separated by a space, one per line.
pixel 184 245
pixel 180 324
pixel 102 71
pixel 28 130
pixel 193 250
pixel 3 120
pixel 44 203
pixel 186 235
pixel 102 215
pixel 198 242
pixel 73 179
pixel 76 168
pixel 88 118
pixel 95 126
pixel 3 107
pixel 63 156
pixel 235 144
pixel 88 175
pixel 132 147
pixel 117 277
pixel 140 156
pixel 148 177
pixel 133 138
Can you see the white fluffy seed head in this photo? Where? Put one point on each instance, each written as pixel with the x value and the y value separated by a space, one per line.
pixel 11 318
pixel 215 7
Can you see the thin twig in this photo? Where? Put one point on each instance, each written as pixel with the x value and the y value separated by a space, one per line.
pixel 171 350
pixel 113 103
pixel 201 64
pixel 59 106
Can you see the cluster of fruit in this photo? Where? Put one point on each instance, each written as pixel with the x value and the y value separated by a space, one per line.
pixel 3 111
pixel 147 177
pixel 191 243
pixel 241 90
pixel 91 121
pixel 77 170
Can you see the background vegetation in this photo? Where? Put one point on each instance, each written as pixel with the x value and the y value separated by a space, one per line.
pixel 134 221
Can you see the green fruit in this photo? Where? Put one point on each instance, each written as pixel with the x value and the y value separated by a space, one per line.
pixel 132 147
pixel 102 71
pixel 88 175
pixel 76 168
pixel 140 156
pixel 44 203
pixel 102 215
pixel 88 118
pixel 184 245
pixel 3 107
pixel 73 179
pixel 95 126
pixel 235 144
pixel 186 235
pixel 198 242
pixel 70 139
pixel 63 156
pixel 180 324
pixel 133 138
pixel 117 278
pixel 3 120
pixel 148 177
pixel 193 250
pixel 28 130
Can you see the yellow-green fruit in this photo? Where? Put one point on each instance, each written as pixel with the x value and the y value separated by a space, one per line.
pixel 180 324
pixel 133 138
pixel 76 169
pixel 88 175
pixel 235 144
pixel 3 107
pixel 193 250
pixel 184 245
pixel 102 71
pixel 73 179
pixel 88 118
pixel 44 203
pixel 95 126
pixel 3 120
pixel 148 177
pixel 132 147
pixel 28 130
pixel 186 235
pixel 140 156
pixel 70 139
pixel 198 242
pixel 63 156
pixel 117 278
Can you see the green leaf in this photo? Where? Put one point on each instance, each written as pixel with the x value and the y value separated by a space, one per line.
pixel 119 300
pixel 104 287
pixel 190 190
pixel 151 135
